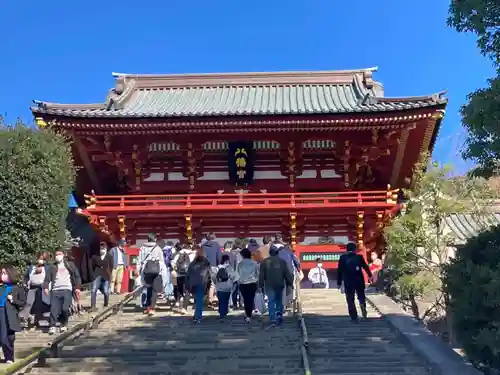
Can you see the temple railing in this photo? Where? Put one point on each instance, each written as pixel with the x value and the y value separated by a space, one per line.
pixel 384 199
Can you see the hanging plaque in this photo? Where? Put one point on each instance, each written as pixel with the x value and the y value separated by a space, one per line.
pixel 241 162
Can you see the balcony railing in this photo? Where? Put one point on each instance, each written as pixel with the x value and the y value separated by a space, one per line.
pixel 244 201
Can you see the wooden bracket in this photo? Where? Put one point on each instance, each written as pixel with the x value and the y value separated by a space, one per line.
pixel 189 228
pixel 360 228
pixel 293 229
pixel 122 226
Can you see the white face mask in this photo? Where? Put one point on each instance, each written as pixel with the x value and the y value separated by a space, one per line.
pixel 103 251
pixel 40 261
pixel 320 265
pixel 59 258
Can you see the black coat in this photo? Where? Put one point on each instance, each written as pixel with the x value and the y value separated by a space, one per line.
pixel 13 308
pixel 350 269
pixel 76 280
pixel 102 267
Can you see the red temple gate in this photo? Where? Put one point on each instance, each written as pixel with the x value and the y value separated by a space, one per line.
pixel 307 154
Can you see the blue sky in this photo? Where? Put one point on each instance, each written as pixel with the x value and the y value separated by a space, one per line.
pixel 65 51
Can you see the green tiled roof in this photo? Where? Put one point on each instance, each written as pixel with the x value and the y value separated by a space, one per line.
pixel 285 93
pixel 465 226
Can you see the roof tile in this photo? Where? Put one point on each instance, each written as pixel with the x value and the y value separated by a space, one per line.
pixel 465 226
pixel 144 96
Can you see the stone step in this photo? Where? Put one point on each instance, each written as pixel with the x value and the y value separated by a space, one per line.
pixel 153 353
pixel 194 362
pixel 339 346
pixel 29 341
pixel 195 372
pixel 166 343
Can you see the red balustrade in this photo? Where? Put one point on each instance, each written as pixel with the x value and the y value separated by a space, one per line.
pixel 245 201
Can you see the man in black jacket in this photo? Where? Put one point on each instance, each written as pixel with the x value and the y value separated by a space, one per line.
pixel 274 277
pixel 102 266
pixel 64 280
pixel 350 272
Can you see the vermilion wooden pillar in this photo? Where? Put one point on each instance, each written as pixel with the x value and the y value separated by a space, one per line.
pixel 360 233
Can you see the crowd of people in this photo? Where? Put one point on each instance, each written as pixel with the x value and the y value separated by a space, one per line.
pixel 238 275
pixel 45 287
pixel 51 287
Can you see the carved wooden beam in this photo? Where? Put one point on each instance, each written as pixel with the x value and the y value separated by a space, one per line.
pixel 380 220
pixel 137 165
pixel 291 164
pixel 102 224
pixel 87 163
pixel 392 195
pixel 191 157
pixel 107 142
pixel 347 159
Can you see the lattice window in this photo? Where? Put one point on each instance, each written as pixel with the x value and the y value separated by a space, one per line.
pixel 318 144
pixel 164 147
pixel 215 146
pixel 266 145
pixel 212 146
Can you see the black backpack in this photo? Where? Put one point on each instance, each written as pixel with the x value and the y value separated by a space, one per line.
pixel 222 275
pixel 151 266
pixel 183 264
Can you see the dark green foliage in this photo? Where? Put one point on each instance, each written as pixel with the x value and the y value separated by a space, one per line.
pixel 481 17
pixel 481 118
pixel 481 115
pixel 36 176
pixel 472 280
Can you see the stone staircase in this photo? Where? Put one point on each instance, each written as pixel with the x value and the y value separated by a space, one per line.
pixel 341 347
pixel 167 343
pixel 29 341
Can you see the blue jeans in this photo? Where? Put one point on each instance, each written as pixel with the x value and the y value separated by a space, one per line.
pixel 223 298
pixel 169 288
pixel 99 284
pixel 275 303
pixel 199 297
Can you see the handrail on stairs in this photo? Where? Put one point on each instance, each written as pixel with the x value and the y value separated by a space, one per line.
pixel 298 312
pixel 52 350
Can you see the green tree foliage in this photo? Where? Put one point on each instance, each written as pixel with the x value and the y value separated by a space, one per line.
pixel 36 176
pixel 481 115
pixel 472 280
pixel 418 241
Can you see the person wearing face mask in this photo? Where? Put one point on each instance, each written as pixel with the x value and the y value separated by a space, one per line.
pixel 318 277
pixel 37 303
pixel 101 265
pixel 12 300
pixel 120 265
pixel 64 281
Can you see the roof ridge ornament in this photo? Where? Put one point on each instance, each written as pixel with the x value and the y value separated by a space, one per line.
pixel 368 79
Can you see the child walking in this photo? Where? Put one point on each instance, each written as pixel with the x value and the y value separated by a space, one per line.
pixel 225 278
pixel 12 300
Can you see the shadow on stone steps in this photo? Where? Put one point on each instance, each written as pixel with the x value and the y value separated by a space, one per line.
pixel 134 343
